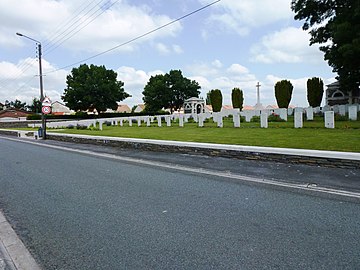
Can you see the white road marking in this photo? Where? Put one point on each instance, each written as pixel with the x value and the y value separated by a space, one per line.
pixel 225 174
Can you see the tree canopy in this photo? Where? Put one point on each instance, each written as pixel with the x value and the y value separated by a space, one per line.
pixel 216 100
pixel 169 91
pixel 334 24
pixel 315 90
pixel 237 98
pixel 93 87
pixel 283 93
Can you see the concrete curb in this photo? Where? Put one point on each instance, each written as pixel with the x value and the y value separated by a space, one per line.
pixel 283 155
pixel 12 250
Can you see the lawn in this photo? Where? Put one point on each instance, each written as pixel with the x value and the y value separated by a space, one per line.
pixel 345 137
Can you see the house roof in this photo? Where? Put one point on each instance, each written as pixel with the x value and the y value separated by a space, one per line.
pixel 123 108
pixel 13 113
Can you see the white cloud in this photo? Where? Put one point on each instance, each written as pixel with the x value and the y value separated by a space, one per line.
pixel 162 48
pixel 289 45
pixel 116 25
pixel 242 16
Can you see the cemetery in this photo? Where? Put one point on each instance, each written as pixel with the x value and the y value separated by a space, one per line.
pixel 323 128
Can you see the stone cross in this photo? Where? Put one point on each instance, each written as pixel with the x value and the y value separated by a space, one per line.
pixel 258 93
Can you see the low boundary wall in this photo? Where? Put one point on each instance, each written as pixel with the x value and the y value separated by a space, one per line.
pixel 331 159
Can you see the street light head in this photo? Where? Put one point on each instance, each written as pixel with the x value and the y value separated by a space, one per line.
pixel 19 34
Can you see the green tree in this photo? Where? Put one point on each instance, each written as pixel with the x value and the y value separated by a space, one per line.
pixel 208 100
pixel 35 106
pixel 169 91
pixel 283 93
pixel 17 104
pixel 335 24
pixel 216 100
pixel 315 90
pixel 237 98
pixel 93 87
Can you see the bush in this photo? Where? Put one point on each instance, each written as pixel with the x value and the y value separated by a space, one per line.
pixel 275 118
pixel 108 123
pixel 81 127
pixel 339 117
pixel 255 119
pixel 70 127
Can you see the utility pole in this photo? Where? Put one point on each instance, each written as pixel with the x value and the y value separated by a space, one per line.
pixel 43 120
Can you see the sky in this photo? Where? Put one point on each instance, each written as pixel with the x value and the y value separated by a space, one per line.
pixel 228 44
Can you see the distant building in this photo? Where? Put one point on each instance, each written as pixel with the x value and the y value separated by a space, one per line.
pixel 123 108
pixel 334 95
pixel 13 114
pixel 194 105
pixel 139 108
pixel 57 108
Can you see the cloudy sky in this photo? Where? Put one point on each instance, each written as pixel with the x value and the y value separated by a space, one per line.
pixel 229 44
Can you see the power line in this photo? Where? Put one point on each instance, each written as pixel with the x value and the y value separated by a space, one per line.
pixel 138 37
pixel 78 30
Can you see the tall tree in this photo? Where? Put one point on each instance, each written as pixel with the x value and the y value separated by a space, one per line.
pixel 237 98
pixel 169 91
pixel 93 87
pixel 216 100
pixel 283 93
pixel 315 90
pixel 335 24
pixel 35 106
pixel 17 104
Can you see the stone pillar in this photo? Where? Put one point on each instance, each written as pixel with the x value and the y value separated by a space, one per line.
pixel 298 119
pixel 329 119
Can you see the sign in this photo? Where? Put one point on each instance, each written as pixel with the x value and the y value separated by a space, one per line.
pixel 46 109
pixel 46 102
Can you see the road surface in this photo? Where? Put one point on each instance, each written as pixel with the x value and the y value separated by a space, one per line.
pixel 82 211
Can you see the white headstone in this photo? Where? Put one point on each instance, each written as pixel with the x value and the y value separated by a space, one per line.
pixel 264 120
pixel 298 119
pixel 329 119
pixel 309 113
pixel 201 120
pixel 159 121
pixel 121 122
pixel 236 120
pixel 139 121
pixel 290 111
pixel 326 108
pixel 148 121
pixel 168 121
pixel 342 110
pixel 100 125
pixel 353 113
pixel 248 115
pixel 181 121
pixel 130 122
pixel 219 120
pixel 282 112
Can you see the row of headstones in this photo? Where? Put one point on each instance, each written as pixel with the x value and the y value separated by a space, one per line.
pixel 218 117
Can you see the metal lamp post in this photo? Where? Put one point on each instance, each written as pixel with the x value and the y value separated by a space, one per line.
pixel 43 122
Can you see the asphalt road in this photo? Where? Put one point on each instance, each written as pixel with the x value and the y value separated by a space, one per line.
pixel 78 211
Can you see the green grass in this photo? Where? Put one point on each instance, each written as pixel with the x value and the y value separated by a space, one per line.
pixel 345 137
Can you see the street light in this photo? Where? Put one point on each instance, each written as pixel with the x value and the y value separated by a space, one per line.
pixel 43 122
